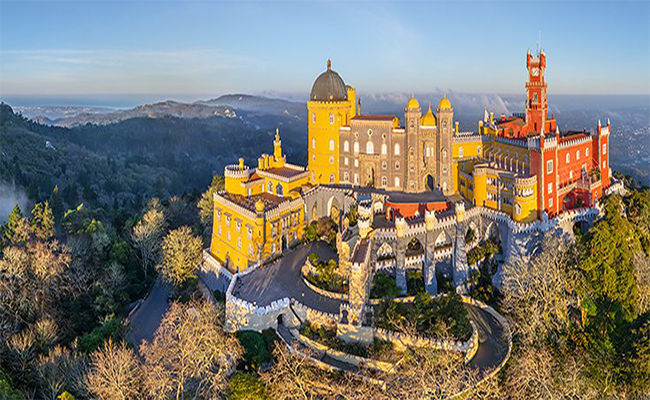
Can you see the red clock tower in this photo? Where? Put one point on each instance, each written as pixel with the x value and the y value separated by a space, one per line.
pixel 536 104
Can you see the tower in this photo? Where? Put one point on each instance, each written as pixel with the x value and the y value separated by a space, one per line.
pixel 536 104
pixel 443 146
pixel 331 105
pixel 412 116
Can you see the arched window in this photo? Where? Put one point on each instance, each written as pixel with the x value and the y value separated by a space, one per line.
pixel 346 146
pixel 370 148
pixel 397 149
pixel 356 179
pixel 356 147
pixel 396 164
pixel 568 158
pixel 428 151
pixel 587 152
pixel 396 181
pixel 444 154
pixel 460 152
pixel 331 178
pixel 331 144
pixel 384 149
pixel 270 185
pixel 384 181
pixel 478 150
pixel 331 159
pixel 578 155
pixel 278 190
pixel 313 143
pixel 346 177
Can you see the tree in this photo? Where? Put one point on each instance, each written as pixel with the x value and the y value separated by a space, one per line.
pixel 190 353
pixel 59 370
pixel 181 255
pixel 43 221
pixel 245 386
pixel 14 218
pixel 115 373
pixel 146 237
pixel 206 202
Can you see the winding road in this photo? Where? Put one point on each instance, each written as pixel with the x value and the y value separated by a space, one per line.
pixel 283 279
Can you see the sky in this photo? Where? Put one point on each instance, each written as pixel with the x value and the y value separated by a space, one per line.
pixel 192 50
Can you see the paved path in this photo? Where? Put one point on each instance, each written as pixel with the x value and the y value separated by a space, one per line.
pixel 283 279
pixel 146 319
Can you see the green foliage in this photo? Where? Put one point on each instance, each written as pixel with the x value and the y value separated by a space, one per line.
pixel 206 202
pixel 433 316
pixel 380 349
pixel 111 328
pixel 9 228
pixel 7 392
pixel 326 276
pixel 384 285
pixel 485 250
pixel 246 386
pixel 469 237
pixel 65 396
pixel 414 282
pixel 256 351
pixel 43 221
pixel 353 215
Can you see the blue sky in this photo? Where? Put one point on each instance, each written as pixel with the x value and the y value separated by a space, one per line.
pixel 203 49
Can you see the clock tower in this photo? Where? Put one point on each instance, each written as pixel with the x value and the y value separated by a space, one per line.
pixel 536 104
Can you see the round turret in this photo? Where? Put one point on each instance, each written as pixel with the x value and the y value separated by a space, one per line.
pixel 413 104
pixel 329 86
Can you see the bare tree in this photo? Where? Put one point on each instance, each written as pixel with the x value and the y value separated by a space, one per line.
pixel 61 369
pixel 115 373
pixel 190 352
pixel 147 236
pixel 181 255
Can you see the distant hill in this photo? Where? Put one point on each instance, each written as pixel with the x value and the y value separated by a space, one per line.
pixel 259 104
pixel 156 110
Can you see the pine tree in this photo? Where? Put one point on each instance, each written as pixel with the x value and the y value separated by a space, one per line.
pixel 12 222
pixel 43 221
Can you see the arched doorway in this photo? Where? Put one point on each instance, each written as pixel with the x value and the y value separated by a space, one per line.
pixel 370 177
pixel 443 240
pixel 429 183
pixel 283 242
pixel 414 247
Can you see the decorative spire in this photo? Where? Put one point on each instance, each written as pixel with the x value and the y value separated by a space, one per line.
pixel 277 134
pixel 599 123
pixel 329 64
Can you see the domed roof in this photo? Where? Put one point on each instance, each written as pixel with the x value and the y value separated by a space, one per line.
pixel 329 86
pixel 428 119
pixel 444 104
pixel 413 103
pixel 259 205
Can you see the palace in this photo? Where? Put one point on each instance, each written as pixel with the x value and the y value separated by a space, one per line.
pixel 520 165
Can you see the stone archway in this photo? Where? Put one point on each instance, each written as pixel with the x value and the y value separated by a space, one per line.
pixel 493 232
pixel 581 227
pixel 429 182
pixel 442 240
pixel 333 208
pixel 414 247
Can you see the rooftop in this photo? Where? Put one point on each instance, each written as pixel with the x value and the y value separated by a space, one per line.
pixel 388 118
pixel 284 172
pixel 248 202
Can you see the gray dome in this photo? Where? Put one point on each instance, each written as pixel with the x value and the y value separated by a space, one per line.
pixel 329 86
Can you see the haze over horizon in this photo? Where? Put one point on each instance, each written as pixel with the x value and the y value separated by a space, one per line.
pixel 196 50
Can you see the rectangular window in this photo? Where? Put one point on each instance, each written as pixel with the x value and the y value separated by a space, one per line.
pixel 549 166
pixel 550 187
pixel 396 181
pixel 313 117
pixel 345 161
pixel 604 148
pixel 550 202
pixel 331 118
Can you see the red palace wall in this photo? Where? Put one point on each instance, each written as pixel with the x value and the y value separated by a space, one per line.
pixel 408 210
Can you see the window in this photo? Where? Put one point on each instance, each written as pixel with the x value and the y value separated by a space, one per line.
pixel 604 148
pixel 346 176
pixel 331 159
pixel 444 154
pixel 549 166
pixel 444 186
pixel 460 152
pixel 239 243
pixel 570 175
pixel 238 226
pixel 412 123
pixel 411 168
pixel 370 148
pixel 384 149
pixel 356 179
pixel 356 162
pixel 478 150
pixel 331 178
pixel 412 185
pixel 396 181
pixel 345 161
pixel 384 181
pixel 550 202
pixel 603 164
pixel 568 158
pixel 550 187
pixel 396 149
pixel 396 164
pixel 331 118
pixel 518 209
pixel 228 236
pixel 270 185
pixel 313 157
pixel 428 151
pixel 331 144
pixel 278 190
pixel 384 165
pixel 219 230
pixel 587 152
pixel 369 132
pixel 346 146
pixel 578 155
pixel 249 191
pixel 313 118
pixel 313 143
pixel 356 147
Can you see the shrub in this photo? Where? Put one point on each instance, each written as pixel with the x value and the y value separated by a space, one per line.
pixel 383 285
pixel 256 352
pixel 111 328
pixel 246 385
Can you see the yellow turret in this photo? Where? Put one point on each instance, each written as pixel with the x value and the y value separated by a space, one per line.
pixel 413 104
pixel 444 104
pixel 428 119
